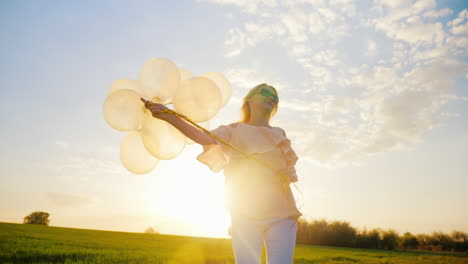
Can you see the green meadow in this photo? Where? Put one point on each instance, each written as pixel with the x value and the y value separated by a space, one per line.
pixel 20 243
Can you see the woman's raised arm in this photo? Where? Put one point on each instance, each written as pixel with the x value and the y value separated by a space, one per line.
pixel 187 129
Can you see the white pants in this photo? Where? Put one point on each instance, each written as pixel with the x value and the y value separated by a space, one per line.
pixel 248 237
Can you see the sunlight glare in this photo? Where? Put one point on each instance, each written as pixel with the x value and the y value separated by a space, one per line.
pixel 193 195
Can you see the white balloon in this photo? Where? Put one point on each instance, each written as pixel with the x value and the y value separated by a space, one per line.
pixel 123 110
pixel 184 75
pixel 161 139
pixel 198 98
pixel 222 83
pixel 159 78
pixel 134 156
pixel 126 84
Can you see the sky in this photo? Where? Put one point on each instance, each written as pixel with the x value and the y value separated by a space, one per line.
pixel 373 95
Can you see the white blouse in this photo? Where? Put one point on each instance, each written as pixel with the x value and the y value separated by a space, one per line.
pixel 253 189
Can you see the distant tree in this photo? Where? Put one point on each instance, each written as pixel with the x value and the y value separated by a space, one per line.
pixel 341 234
pixel 423 242
pixel 37 218
pixel 369 239
pixel 461 240
pixel 317 232
pixel 390 240
pixel 337 233
pixel 303 232
pixel 150 230
pixel 441 242
pixel 409 241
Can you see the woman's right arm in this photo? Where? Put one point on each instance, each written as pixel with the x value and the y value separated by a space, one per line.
pixel 186 128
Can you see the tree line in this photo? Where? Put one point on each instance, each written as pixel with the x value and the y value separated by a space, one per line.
pixel 342 234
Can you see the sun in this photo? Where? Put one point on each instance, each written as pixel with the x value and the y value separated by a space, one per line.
pixel 192 195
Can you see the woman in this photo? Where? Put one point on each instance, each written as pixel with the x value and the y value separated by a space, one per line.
pixel 259 197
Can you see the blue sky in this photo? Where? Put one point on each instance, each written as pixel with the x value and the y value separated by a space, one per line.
pixel 373 95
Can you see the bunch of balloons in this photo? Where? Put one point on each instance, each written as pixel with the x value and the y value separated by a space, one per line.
pixel 161 81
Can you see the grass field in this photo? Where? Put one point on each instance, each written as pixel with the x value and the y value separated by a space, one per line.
pixel 41 244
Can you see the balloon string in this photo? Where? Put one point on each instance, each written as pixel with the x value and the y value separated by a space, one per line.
pixel 215 137
pixel 170 111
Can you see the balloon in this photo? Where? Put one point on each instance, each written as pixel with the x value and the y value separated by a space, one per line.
pixel 134 156
pixel 161 81
pixel 123 110
pixel 222 83
pixel 198 98
pixel 160 78
pixel 205 125
pixel 184 75
pixel 126 84
pixel 161 139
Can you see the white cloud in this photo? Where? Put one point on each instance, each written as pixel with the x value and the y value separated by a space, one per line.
pixel 378 78
pixel 414 31
pixel 353 105
pixel 295 105
pixel 393 112
pixel 326 57
pixel 243 79
pixel 462 16
pixel 249 6
pixel 260 31
pixel 432 53
pixel 407 115
pixel 438 13
pixel 461 29
pixel 316 23
pixel 291 25
pixel 458 41
pixel 296 24
pixel 328 14
pixel 393 3
pixel 460 25
pixel 421 5
pixel 300 50
pixel 235 42
pixel 345 6
pixel 437 75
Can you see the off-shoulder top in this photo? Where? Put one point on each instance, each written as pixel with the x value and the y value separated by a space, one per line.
pixel 252 189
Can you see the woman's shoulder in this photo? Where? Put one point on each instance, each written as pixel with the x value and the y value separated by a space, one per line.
pixel 243 128
pixel 234 125
pixel 244 125
pixel 280 130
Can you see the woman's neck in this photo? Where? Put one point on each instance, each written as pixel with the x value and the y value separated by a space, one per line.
pixel 258 121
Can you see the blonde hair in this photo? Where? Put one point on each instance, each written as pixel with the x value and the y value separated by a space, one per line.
pixel 245 109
